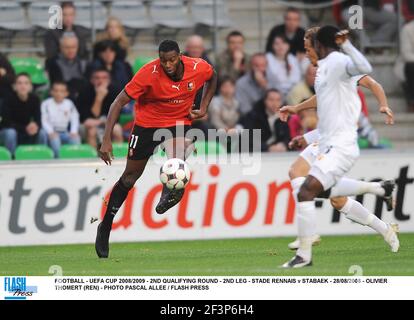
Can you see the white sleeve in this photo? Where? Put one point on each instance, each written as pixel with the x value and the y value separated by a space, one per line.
pixel 74 119
pixel 359 64
pixel 311 136
pixel 45 119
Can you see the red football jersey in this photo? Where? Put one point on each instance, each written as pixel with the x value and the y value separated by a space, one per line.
pixel 162 102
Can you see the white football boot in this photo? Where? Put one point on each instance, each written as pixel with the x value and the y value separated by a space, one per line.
pixel 392 237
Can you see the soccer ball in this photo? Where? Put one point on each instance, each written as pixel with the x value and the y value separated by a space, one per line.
pixel 175 174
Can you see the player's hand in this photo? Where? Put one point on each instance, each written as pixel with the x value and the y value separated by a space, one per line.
pixel 389 115
pixel 341 37
pixel 197 114
pixel 105 152
pixel 285 111
pixel 297 143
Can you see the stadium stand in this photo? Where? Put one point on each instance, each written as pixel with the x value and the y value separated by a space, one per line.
pixel 34 152
pixel 82 151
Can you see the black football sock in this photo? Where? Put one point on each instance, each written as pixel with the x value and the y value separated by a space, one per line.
pixel 117 198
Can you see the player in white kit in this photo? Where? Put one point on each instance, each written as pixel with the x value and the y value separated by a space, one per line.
pixel 338 112
pixel 345 187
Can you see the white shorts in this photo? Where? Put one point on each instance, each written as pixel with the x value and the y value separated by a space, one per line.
pixel 310 153
pixel 332 163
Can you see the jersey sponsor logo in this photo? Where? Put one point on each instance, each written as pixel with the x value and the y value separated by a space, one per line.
pixel 191 86
pixel 196 64
pixel 176 87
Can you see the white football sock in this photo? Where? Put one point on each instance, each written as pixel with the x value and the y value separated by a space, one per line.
pixel 306 228
pixel 296 184
pixel 350 187
pixel 356 212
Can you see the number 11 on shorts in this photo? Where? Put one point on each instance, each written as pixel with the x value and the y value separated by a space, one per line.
pixel 133 142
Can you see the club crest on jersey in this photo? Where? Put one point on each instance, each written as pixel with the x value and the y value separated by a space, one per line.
pixel 191 86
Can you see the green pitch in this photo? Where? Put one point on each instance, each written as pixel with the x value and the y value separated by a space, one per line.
pixel 241 257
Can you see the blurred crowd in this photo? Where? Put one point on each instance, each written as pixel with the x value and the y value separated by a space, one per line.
pixel 252 88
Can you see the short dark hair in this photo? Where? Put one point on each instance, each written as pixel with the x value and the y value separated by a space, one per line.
pixel 225 79
pixel 269 91
pixel 98 69
pixel 234 33
pixel 293 10
pixel 23 74
pixel 67 4
pixel 326 36
pixel 168 45
pixel 59 83
pixel 103 45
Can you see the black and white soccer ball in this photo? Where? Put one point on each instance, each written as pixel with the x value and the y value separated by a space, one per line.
pixel 175 174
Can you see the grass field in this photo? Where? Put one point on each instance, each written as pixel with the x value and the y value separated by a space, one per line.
pixel 241 257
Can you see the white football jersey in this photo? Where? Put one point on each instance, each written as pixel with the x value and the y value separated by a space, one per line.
pixel 339 105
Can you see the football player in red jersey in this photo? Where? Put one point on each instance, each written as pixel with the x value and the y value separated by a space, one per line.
pixel 164 91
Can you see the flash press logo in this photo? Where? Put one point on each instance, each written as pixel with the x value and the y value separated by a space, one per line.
pixel 55 20
pixel 17 288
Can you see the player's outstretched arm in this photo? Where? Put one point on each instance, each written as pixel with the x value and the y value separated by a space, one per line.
pixel 360 64
pixel 285 111
pixel 208 93
pixel 379 93
pixel 105 151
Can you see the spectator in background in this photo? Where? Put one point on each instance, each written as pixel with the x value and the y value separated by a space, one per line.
pixel 224 108
pixel 105 56
pixel 379 15
pixel 7 77
pixel 67 66
pixel 304 89
pixel 407 53
pixel 114 30
pixel 283 69
pixel 233 62
pixel 275 135
pixel 53 36
pixel 93 105
pixel 58 114
pixel 21 116
pixel 408 10
pixel 195 48
pixel 292 30
pixel 253 85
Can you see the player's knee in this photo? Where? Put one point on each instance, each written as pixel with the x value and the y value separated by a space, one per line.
pixel 338 203
pixel 129 179
pixel 293 173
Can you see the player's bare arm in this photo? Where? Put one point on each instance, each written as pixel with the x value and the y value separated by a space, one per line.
pixel 208 94
pixel 285 111
pixel 106 149
pixel 379 93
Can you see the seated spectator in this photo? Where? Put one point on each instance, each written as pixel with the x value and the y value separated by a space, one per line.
pixel 105 57
pixel 378 17
pixel 304 89
pixel 195 48
pixel 407 53
pixel 114 31
pixel 93 105
pixel 67 66
pixel 224 108
pixel 283 69
pixel 275 135
pixel 292 30
pixel 233 62
pixel 21 120
pixel 58 114
pixel 253 85
pixel 408 10
pixel 7 77
pixel 53 36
